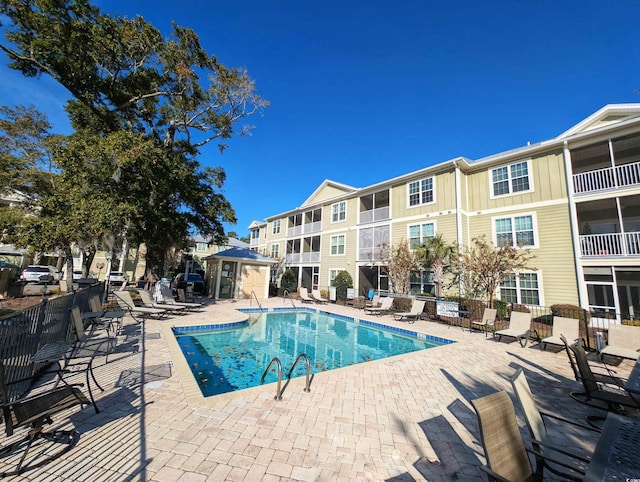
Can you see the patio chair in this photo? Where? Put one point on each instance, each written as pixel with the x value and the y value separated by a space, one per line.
pixel 519 328
pixel 317 297
pixel 385 307
pixel 111 321
pixel 623 342
pixel 149 302
pixel 605 396
pixel 535 419
pixel 183 297
pixel 488 319
pixel 304 295
pixel 569 327
pixel 168 298
pixel 417 307
pixel 609 376
pixel 504 449
pixel 34 412
pixel 373 302
pixel 126 303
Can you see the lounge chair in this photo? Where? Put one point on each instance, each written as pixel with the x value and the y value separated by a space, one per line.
pixel 304 295
pixel 34 412
pixel 569 327
pixel 111 321
pixel 605 396
pixel 317 297
pixel 417 307
pixel 167 297
pixel 148 301
pixel 623 342
pixel 519 328
pixel 488 319
pixel 608 376
pixel 126 303
pixel 535 419
pixel 504 449
pixel 385 307
pixel 373 302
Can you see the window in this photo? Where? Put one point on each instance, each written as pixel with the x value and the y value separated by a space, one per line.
pixel 332 275
pixel 275 251
pixel 276 226
pixel 510 179
pixel 338 212
pixel 421 192
pixel 515 231
pixel 337 244
pixel 255 234
pixel 421 282
pixel 522 288
pixel 419 233
pixel 201 247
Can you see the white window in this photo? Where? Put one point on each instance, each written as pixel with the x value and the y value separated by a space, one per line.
pixel 420 192
pixel 510 179
pixel 522 288
pixel 515 231
pixel 337 244
pixel 276 226
pixel 201 247
pixel 419 233
pixel 275 251
pixel 338 212
pixel 332 275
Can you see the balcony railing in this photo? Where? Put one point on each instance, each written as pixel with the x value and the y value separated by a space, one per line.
pixel 607 178
pixel 294 231
pixel 373 215
pixel 314 227
pixel 254 242
pixel 613 244
pixel 297 258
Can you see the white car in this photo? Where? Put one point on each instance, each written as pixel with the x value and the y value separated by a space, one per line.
pixel 117 277
pixel 33 273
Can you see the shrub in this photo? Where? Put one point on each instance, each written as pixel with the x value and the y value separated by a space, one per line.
pixel 342 281
pixel 569 311
pixel 631 322
pixel 475 309
pixel 502 309
pixel 288 281
pixel 402 304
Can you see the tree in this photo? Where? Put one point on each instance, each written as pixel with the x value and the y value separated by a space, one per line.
pixel 154 100
pixel 488 265
pixel 401 262
pixel 342 281
pixel 435 254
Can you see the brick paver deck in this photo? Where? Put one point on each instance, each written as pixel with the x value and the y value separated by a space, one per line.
pixel 402 418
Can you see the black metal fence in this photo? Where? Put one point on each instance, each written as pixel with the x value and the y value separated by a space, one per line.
pixel 24 332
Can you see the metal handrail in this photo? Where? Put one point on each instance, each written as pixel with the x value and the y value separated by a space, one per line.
pixel 253 294
pixel 308 363
pixel 287 297
pixel 275 360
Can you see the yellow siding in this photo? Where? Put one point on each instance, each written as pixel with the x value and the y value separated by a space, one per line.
pixel 351 221
pixel 345 262
pixel 444 197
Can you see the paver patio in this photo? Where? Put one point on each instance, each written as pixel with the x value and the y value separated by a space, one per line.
pixel 402 418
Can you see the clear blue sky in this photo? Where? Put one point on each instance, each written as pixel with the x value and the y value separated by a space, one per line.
pixel 362 91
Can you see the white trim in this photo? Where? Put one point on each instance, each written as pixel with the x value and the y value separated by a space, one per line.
pixel 534 222
pixel 517 207
pixel 344 245
pixel 508 166
pixel 345 212
pixel 538 273
pixel 433 222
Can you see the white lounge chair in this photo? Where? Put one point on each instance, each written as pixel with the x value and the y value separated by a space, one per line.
pixel 569 327
pixel 304 295
pixel 519 328
pixel 148 301
pixel 623 342
pixel 126 302
pixel 417 307
pixel 385 307
pixel 167 297
pixel 317 297
pixel 488 319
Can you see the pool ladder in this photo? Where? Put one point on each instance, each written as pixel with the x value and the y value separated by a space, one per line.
pixel 276 360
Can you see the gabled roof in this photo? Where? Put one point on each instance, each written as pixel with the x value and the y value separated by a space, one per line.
pixel 257 224
pixel 243 254
pixel 609 114
pixel 327 190
pixel 198 238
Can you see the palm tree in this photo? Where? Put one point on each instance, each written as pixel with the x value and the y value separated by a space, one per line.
pixel 435 254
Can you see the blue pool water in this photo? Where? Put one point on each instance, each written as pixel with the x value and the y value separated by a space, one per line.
pixel 234 356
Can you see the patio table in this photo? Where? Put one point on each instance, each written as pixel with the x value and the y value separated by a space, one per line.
pixel 616 454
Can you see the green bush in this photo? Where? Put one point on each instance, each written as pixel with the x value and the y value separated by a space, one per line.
pixel 502 309
pixel 342 281
pixel 569 311
pixel 288 281
pixel 631 322
pixel 402 304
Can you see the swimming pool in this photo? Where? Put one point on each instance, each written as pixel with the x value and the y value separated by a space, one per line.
pixel 230 357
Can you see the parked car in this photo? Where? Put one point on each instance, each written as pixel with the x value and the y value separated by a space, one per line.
pixel 193 280
pixel 77 275
pixel 33 273
pixel 117 277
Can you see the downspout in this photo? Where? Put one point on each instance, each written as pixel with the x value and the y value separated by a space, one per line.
pixel 458 217
pixel 583 296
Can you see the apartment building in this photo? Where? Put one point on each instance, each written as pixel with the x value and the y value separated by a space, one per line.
pixel 573 200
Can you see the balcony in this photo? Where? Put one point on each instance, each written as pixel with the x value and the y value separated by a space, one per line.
pixel 613 244
pixel 607 178
pixel 299 258
pixel 294 231
pixel 372 215
pixel 253 242
pixel 314 227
